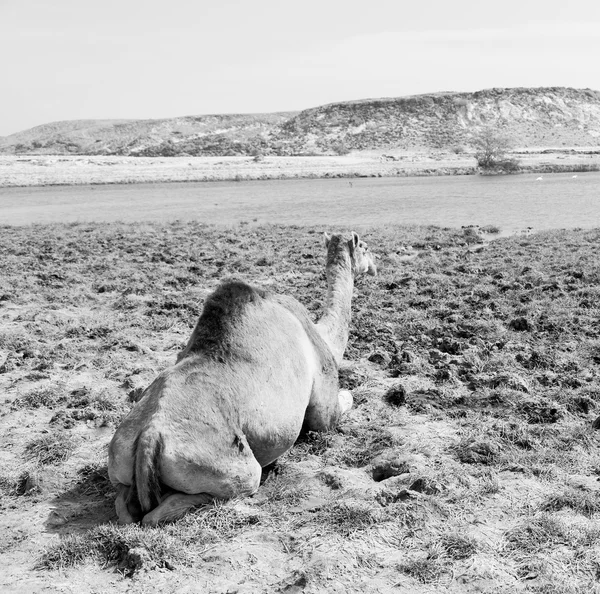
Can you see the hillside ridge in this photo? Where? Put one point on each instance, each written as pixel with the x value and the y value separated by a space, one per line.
pixel 533 117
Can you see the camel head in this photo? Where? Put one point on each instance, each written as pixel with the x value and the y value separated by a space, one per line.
pixel 363 261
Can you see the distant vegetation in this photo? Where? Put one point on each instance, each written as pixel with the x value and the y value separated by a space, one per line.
pixel 492 152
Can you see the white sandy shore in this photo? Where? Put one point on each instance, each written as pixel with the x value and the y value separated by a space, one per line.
pixel 43 170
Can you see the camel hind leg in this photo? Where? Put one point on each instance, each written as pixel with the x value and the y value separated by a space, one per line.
pixel 173 506
pixel 128 509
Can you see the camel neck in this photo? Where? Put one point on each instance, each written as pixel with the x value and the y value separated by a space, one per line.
pixel 335 322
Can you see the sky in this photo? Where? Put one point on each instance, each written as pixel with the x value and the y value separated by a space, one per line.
pixel 121 59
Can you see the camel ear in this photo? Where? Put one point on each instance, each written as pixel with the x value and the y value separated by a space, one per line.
pixel 327 238
pixel 355 238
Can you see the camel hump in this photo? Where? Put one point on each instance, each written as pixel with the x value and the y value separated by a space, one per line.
pixel 223 314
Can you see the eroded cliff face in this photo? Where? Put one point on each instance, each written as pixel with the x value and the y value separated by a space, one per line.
pixel 543 117
pixel 533 117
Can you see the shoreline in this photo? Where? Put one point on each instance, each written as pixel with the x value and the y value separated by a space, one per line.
pixel 58 170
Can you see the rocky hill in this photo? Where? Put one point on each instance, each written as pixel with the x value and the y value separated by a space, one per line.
pixel 541 117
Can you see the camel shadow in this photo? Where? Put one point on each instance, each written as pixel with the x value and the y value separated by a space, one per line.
pixel 89 502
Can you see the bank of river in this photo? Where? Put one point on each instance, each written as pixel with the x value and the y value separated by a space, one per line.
pixel 48 170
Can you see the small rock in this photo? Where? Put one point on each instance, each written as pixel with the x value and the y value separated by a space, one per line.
pixel 29 484
pixel 435 355
pixel 351 377
pixel 136 559
pixel 425 485
pixel 445 374
pixel 310 503
pixel 297 586
pixel 55 519
pixel 380 358
pixel 477 452
pixel 391 464
pixel 332 479
pixel 516 468
pixel 396 395
pixel 63 418
pixel 407 357
pixel 540 412
pixel 509 380
pixel 387 497
pixel 135 395
pixel 520 325
pixel 581 404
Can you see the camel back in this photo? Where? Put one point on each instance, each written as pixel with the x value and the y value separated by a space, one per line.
pixel 222 313
pixel 215 332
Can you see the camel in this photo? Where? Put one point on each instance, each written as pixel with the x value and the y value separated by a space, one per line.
pixel 254 373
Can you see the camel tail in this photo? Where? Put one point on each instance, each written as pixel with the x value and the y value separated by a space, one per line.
pixel 146 478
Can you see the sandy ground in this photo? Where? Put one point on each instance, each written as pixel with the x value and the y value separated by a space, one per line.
pixel 468 463
pixel 40 170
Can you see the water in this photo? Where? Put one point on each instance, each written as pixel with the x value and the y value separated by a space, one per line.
pixel 509 202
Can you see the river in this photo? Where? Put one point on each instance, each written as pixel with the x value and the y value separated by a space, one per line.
pixel 513 203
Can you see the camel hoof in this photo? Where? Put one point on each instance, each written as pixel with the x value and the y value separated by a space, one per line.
pixel 346 400
pixel 152 520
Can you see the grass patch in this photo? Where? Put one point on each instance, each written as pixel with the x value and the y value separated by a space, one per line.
pixel 581 501
pixel 101 408
pixel 311 443
pixel 130 548
pixel 93 480
pixel 51 449
pixel 364 444
pixel 220 521
pixel 47 396
pixel 471 450
pixel 346 518
pixel 543 530
pixel 459 546
pixel 284 488
pixel 426 569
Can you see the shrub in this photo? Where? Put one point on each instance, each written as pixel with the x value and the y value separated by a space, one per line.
pixel 491 149
pixel 340 148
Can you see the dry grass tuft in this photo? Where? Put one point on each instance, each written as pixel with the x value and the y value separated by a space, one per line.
pixel 129 548
pixel 426 569
pixel 48 396
pixel 582 501
pixel 537 532
pixel 51 449
pixel 459 546
pixel 347 518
